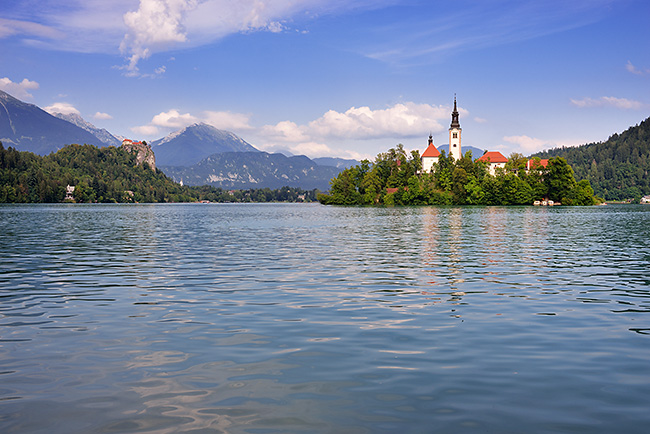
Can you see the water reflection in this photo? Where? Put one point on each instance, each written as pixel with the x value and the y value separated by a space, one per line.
pixel 294 318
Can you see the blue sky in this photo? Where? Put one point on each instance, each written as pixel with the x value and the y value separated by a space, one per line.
pixel 337 78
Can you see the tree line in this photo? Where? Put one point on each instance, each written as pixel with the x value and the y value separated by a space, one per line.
pixel 396 178
pixel 618 168
pixel 111 175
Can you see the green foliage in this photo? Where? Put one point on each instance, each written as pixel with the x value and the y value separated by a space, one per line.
pixel 395 179
pixel 110 175
pixel 618 168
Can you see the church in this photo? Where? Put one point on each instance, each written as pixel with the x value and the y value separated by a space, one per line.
pixel 431 155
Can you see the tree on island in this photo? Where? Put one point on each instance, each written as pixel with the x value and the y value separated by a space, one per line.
pixel 396 178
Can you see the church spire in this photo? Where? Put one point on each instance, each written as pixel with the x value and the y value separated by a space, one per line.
pixel 454 116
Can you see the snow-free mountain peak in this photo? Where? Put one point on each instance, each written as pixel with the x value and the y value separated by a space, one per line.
pixel 192 144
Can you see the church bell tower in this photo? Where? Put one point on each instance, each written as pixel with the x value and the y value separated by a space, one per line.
pixel 454 134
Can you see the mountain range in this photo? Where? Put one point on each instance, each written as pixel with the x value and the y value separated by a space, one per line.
pixel 27 127
pixel 104 136
pixel 193 153
pixel 244 170
pixel 476 152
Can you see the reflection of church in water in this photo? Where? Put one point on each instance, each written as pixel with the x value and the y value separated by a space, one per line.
pixel 494 159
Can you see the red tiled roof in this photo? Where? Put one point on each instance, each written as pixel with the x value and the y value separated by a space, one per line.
pixel 493 157
pixel 431 151
pixel 532 164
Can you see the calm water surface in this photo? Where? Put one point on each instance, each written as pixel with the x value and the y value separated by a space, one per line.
pixel 311 319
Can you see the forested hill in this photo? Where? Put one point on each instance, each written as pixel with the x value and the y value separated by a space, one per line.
pixel 106 174
pixel 618 168
pixel 110 174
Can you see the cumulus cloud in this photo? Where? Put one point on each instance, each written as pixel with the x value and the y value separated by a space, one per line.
pixel 285 131
pixel 174 120
pixel 146 130
pixel 102 116
pixel 398 121
pixel 62 107
pixel 401 120
pixel 18 90
pixel 480 120
pixel 608 101
pixel 157 24
pixel 527 144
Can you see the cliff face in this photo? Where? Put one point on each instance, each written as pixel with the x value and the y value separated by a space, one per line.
pixel 144 153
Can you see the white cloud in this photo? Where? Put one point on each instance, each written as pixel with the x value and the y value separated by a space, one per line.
pixel 156 25
pixel 285 131
pixel 19 27
pixel 146 130
pixel 18 90
pixel 174 120
pixel 480 120
pixel 102 116
pixel 527 144
pixel 633 69
pixel 62 107
pixel 608 101
pixel 226 120
pixel 475 25
pixel 401 120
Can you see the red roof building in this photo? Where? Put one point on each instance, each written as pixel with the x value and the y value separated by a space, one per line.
pixel 532 164
pixel 429 156
pixel 495 159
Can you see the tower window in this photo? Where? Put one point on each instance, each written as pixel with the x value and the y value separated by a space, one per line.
pixel 455 135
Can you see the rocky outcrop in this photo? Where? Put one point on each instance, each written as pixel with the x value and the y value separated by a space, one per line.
pixel 144 153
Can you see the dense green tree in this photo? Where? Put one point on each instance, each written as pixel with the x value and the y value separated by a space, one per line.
pixel 559 180
pixel 109 175
pixel 618 168
pixel 395 178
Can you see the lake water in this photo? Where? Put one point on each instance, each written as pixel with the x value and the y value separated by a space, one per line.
pixel 278 318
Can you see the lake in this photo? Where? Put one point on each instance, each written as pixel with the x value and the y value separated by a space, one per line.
pixel 301 318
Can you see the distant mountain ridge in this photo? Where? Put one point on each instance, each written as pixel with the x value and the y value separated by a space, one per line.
pixel 341 163
pixel 27 127
pixel 243 170
pixel 195 143
pixel 476 152
pixel 106 138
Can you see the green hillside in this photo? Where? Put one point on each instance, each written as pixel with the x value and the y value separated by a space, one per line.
pixel 618 168
pixel 109 174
